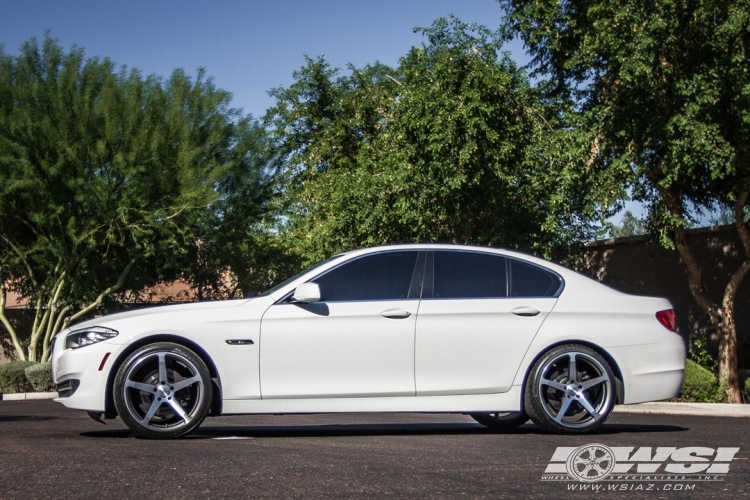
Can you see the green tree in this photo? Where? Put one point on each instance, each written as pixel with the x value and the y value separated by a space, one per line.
pixel 452 145
pixel 108 180
pixel 630 225
pixel 666 87
pixel 240 252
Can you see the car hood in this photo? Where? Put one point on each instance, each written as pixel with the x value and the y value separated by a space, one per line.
pixel 109 319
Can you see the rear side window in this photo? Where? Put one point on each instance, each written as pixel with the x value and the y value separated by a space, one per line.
pixel 527 280
pixel 383 276
pixel 462 275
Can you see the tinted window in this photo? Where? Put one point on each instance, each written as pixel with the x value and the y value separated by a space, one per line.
pixel 531 281
pixel 287 281
pixel 382 276
pixel 461 275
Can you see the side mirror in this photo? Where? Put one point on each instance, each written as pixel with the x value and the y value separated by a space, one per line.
pixel 307 293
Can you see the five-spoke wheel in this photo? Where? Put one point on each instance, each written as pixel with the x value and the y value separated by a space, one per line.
pixel 571 389
pixel 162 390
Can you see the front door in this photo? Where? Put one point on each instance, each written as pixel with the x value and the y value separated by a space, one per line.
pixel 357 341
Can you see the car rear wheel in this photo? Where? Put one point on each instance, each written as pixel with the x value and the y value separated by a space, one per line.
pixel 163 390
pixel 570 390
pixel 501 422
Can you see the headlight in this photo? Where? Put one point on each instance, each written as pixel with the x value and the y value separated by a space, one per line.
pixel 88 336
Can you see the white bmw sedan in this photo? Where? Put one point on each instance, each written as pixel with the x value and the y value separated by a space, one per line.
pixel 495 334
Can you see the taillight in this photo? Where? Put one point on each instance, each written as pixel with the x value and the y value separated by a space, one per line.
pixel 668 319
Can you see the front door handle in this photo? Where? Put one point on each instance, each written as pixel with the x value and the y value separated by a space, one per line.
pixel 395 314
pixel 525 311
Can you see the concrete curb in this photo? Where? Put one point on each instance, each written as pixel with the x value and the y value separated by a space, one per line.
pixel 28 396
pixel 697 409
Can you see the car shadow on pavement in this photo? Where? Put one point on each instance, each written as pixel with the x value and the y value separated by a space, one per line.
pixel 359 430
pixel 16 418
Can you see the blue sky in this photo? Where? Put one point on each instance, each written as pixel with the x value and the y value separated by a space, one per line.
pixel 248 47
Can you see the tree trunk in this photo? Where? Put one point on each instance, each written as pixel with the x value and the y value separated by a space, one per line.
pixel 728 377
pixel 721 316
pixel 6 322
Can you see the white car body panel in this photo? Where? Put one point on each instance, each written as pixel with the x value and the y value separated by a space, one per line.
pixel 473 346
pixel 337 349
pixel 449 373
pixel 477 403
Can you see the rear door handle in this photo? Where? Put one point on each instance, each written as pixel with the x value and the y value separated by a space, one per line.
pixel 525 311
pixel 395 314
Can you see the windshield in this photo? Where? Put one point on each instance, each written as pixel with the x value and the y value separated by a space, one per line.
pixel 286 282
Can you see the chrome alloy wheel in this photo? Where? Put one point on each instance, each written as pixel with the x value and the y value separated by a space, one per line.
pixel 164 391
pixel 575 390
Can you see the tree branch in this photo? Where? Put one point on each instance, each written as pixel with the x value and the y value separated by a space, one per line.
pixel 23 259
pixel 6 322
pixel 105 293
pixel 58 324
pixel 739 221
pixel 52 305
pixel 693 269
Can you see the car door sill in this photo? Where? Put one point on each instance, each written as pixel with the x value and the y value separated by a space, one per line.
pixel 505 401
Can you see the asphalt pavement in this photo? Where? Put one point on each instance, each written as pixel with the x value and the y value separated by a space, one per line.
pixel 48 451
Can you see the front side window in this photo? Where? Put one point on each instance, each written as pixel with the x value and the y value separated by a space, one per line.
pixel 463 275
pixel 527 280
pixel 382 276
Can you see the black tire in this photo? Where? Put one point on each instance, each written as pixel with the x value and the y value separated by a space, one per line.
pixel 501 422
pixel 585 400
pixel 163 391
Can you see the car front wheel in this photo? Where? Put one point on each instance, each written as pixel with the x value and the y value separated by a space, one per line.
pixel 570 390
pixel 163 390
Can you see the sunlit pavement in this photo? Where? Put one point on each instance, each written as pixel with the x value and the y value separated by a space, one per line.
pixel 47 451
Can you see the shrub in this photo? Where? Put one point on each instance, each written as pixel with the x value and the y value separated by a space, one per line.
pixel 700 385
pixel 40 377
pixel 747 390
pixel 13 378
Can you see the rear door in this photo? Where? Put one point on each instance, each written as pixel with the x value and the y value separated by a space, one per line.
pixel 478 315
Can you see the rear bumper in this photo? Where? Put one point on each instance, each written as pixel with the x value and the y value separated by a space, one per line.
pixel 652 372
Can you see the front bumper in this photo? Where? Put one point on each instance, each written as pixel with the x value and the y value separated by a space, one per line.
pixel 87 366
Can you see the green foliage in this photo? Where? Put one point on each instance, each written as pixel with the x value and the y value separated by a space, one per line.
pixel 665 89
pixel 699 352
pixel 630 225
pixel 13 377
pixel 113 182
pixel 667 84
pixel 40 377
pixel 700 385
pixel 747 389
pixel 452 145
